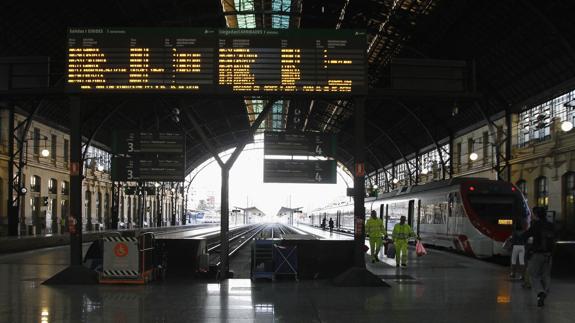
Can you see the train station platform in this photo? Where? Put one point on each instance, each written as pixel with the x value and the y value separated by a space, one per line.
pixel 24 243
pixel 323 234
pixel 439 287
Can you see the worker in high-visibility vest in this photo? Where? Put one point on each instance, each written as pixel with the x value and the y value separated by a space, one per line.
pixel 374 228
pixel 401 233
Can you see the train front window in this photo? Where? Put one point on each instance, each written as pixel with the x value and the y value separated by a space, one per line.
pixel 494 209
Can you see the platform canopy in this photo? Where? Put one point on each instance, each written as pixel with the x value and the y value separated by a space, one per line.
pixel 518 49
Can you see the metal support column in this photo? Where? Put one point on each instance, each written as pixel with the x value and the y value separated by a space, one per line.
pixel 508 138
pixel 159 202
pixel 141 203
pixel 76 273
pixel 115 200
pixel 225 223
pixel 12 211
pixel 359 182
pixel 451 156
pixel 173 206
pixel 75 181
pixel 224 213
pixel 183 217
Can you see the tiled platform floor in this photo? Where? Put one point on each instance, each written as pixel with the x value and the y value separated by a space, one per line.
pixel 440 287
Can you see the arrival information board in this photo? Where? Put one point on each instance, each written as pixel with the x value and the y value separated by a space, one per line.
pixel 216 61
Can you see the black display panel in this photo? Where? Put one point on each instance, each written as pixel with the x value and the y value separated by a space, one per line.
pixel 216 61
pixel 299 144
pixel 132 142
pixel 300 171
pixel 161 169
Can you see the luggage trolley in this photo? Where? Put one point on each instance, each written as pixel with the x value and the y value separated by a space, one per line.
pixel 285 260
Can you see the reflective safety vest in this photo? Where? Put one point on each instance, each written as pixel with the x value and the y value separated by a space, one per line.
pixel 402 232
pixel 374 228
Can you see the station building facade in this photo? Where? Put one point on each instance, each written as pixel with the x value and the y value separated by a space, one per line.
pixel 45 205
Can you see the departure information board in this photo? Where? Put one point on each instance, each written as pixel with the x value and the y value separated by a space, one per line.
pixel 216 61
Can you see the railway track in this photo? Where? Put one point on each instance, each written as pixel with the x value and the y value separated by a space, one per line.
pixel 240 239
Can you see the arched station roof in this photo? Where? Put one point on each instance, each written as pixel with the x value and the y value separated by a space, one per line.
pixel 519 49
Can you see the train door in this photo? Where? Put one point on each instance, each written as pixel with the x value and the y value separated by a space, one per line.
pixel 452 216
pixel 387 218
pixel 410 212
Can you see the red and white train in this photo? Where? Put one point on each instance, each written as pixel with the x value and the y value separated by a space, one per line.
pixel 471 215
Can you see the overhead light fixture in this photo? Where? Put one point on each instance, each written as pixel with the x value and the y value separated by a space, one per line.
pixel 45 152
pixel 425 171
pixel 566 126
pixel 473 156
pixel 455 110
pixel 156 184
pixel 395 181
pixel 100 167
pixel 375 187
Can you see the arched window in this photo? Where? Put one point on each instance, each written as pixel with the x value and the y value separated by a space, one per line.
pixel 107 209
pixel 522 186
pixel 35 183
pixel 64 213
pixel 88 208
pixel 541 192
pixel 53 186
pixel 569 202
pixel 134 210
pixel 129 220
pixel 99 206
pixel 121 206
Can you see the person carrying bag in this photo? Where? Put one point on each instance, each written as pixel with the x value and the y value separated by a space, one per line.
pixel 420 249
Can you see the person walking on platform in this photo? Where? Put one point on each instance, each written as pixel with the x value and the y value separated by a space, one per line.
pixel 323 224
pixel 539 269
pixel 330 225
pixel 374 228
pixel 401 233
pixel 517 256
